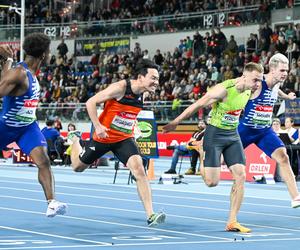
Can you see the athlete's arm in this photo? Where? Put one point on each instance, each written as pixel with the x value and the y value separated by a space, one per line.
pixel 113 91
pixel 289 96
pixel 215 94
pixel 13 78
pixel 6 52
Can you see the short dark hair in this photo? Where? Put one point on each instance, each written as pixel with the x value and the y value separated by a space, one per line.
pixel 49 123
pixel 143 65
pixel 36 44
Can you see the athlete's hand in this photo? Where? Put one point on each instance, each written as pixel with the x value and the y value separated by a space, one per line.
pixel 6 51
pixel 169 127
pixel 101 131
pixel 292 96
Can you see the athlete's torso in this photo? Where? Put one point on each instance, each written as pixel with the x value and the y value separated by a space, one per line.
pixel 120 116
pixel 258 111
pixel 225 114
pixel 20 111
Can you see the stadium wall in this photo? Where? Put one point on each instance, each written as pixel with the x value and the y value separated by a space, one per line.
pixel 166 41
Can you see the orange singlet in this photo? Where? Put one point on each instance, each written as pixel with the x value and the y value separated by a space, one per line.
pixel 120 116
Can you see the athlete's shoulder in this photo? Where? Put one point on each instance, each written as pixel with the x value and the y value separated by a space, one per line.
pixel 229 83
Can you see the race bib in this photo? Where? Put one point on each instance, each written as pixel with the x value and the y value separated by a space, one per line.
pixel 231 118
pixel 263 114
pixel 124 122
pixel 27 112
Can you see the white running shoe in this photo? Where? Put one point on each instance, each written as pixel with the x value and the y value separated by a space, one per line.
pixel 55 208
pixel 296 202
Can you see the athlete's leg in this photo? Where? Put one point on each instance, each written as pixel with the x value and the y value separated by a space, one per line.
pixel 45 176
pixel 76 163
pixel 271 144
pixel 237 191
pixel 128 153
pixel 135 164
pixel 281 157
pixel 33 143
pixel 234 158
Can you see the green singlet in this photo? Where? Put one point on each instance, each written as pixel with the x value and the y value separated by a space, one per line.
pixel 225 114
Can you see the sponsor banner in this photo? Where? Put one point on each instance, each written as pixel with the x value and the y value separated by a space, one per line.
pixel 257 163
pixel 171 139
pixel 87 47
pixel 147 143
pixel 20 157
pixel 292 109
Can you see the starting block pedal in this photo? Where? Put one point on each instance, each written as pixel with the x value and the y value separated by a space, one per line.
pixel 171 179
pixel 264 179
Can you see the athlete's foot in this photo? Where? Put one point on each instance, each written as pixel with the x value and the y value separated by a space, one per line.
pixel 296 202
pixel 74 135
pixel 156 219
pixel 237 227
pixel 56 208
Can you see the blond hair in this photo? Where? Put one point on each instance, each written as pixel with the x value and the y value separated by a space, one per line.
pixel 276 59
pixel 254 67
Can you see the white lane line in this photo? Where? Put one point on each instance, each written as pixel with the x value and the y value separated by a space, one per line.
pixel 54 247
pixel 168 214
pixel 53 235
pixel 183 191
pixel 119 224
pixel 160 243
pixel 154 202
pixel 15 236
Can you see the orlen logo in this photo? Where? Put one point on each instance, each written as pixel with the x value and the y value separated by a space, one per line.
pixel 127 115
pixel 264 108
pixel 259 168
pixel 235 112
pixel 31 103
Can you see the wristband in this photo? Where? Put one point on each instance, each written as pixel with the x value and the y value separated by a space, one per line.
pixel 9 59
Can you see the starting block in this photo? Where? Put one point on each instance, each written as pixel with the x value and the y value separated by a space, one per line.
pixel 171 179
pixel 264 179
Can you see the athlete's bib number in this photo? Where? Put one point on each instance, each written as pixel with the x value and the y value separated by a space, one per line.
pixel 124 122
pixel 27 112
pixel 231 118
pixel 263 114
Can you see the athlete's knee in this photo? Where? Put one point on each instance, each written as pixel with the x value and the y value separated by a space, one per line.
pixel 282 158
pixel 43 161
pixel 211 182
pixel 78 166
pixel 139 172
pixel 240 177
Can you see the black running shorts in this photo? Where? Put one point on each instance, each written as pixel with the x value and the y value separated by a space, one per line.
pixel 222 141
pixel 123 150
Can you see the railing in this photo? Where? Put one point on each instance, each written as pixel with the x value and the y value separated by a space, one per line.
pixel 76 112
pixel 149 25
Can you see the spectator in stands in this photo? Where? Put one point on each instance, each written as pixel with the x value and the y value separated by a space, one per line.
pixel 63 49
pixel 49 132
pixel 57 124
pixel 158 57
pixel 54 140
pixel 294 137
pixel 292 132
pixel 276 126
pixel 188 149
pixel 231 48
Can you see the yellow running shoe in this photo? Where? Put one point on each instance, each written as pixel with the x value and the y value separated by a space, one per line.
pixel 237 227
pixel 190 171
pixel 198 172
